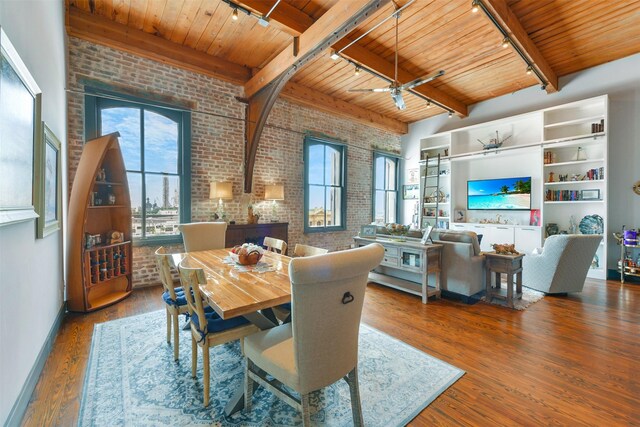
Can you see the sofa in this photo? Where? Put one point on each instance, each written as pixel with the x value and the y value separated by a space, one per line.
pixel 561 266
pixel 462 263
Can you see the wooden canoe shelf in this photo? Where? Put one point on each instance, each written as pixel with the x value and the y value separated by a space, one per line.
pixel 99 274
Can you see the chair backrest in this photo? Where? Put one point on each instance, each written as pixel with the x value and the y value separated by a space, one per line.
pixel 162 261
pixel 274 245
pixel 570 256
pixel 327 296
pixel 191 278
pixel 306 250
pixel 202 236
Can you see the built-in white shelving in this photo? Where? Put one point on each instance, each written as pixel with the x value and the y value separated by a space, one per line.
pixel 561 135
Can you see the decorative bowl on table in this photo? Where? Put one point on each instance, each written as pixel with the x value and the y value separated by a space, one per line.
pixel 247 254
pixel 398 231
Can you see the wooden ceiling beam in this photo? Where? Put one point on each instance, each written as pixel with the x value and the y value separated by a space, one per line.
pixel 263 88
pixel 286 17
pixel 335 24
pixel 296 22
pixel 109 33
pixel 319 101
pixel 510 22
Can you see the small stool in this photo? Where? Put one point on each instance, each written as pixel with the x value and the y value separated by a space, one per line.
pixel 509 265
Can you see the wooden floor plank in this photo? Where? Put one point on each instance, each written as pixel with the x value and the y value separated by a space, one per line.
pixel 568 360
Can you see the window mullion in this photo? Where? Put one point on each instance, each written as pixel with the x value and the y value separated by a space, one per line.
pixel 143 176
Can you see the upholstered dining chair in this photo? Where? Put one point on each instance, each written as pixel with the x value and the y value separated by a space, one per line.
pixel 208 329
pixel 320 345
pixel 176 303
pixel 202 236
pixel 305 250
pixel 275 245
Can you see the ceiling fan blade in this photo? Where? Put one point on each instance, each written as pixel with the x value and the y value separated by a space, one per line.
pixel 421 80
pixel 397 99
pixel 378 89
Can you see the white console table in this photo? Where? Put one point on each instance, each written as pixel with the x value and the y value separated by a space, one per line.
pixel 406 266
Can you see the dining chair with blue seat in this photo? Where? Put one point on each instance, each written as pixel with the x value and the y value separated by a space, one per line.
pixel 214 330
pixel 175 299
pixel 320 345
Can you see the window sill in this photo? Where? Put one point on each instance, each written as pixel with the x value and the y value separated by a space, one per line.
pixel 323 230
pixel 158 241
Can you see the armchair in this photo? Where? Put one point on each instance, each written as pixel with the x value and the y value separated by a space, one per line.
pixel 462 263
pixel 562 265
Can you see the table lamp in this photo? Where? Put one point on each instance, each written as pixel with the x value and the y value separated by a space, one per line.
pixel 274 192
pixel 221 191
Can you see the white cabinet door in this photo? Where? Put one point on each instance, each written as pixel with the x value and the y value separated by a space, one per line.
pixel 528 238
pixel 497 234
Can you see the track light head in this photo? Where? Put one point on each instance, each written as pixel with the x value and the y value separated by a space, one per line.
pixel 428 104
pixel 505 42
pixel 334 55
pixel 450 114
pixel 357 72
pixel 475 6
pixel 543 86
pixel 235 14
pixel 529 70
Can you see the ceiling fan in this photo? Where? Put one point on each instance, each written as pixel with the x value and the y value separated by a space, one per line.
pixel 395 88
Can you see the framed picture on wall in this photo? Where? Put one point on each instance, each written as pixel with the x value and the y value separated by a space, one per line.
pixel 410 192
pixel 19 129
pixel 413 176
pixel 368 231
pixel 460 215
pixel 48 187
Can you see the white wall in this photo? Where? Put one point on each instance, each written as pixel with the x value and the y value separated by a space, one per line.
pixel 31 270
pixel 620 79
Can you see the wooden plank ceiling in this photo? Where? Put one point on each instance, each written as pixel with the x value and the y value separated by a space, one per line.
pixel 569 35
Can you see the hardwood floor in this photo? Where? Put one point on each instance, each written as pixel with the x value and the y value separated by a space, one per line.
pixel 568 360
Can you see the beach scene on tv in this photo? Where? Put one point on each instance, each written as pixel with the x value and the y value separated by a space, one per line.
pixel 499 194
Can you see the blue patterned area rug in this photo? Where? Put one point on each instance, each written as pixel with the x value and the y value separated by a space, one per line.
pixel 132 380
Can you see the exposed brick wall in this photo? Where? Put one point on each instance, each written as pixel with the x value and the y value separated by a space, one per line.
pixel 217 132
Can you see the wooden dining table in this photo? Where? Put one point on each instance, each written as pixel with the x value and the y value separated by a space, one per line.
pixel 233 293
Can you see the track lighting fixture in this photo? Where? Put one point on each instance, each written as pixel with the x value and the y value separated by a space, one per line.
pixel 450 114
pixel 529 70
pixel 543 86
pixel 505 42
pixel 334 55
pixel 235 14
pixel 428 104
pixel 357 72
pixel 475 6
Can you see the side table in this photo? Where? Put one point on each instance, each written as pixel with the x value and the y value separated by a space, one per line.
pixel 509 265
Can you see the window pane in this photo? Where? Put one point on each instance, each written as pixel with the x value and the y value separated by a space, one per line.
pixel 316 206
pixel 379 215
pixel 163 199
pixel 135 194
pixel 316 164
pixel 127 122
pixel 379 178
pixel 334 206
pixel 391 206
pixel 160 143
pixel 332 166
pixel 390 167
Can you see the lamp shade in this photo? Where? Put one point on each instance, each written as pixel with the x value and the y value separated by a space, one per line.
pixel 221 190
pixel 274 192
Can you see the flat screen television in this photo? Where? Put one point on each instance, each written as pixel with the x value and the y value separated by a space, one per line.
pixel 499 194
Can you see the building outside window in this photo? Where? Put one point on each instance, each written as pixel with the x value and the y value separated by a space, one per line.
pixel 385 188
pixel 324 185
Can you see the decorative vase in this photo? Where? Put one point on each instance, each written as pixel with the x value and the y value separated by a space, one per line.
pixel 552 229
